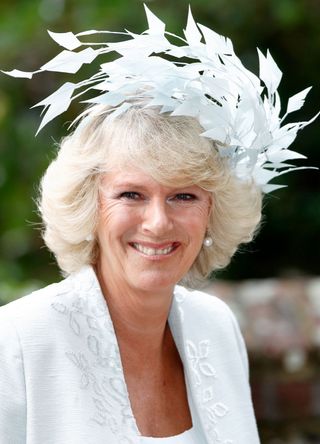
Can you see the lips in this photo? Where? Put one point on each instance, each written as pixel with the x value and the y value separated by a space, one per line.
pixel 152 251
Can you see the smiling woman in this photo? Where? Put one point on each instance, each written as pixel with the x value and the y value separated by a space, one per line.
pixel 157 186
pixel 171 151
pixel 150 235
pixel 129 208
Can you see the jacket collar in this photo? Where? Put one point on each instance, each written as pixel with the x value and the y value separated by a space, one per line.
pixel 195 349
pixel 192 344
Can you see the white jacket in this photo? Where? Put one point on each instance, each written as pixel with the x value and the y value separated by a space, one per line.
pixel 61 378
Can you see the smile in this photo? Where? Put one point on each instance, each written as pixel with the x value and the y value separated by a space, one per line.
pixel 154 251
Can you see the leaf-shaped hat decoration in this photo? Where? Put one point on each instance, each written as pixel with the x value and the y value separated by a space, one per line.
pixel 237 109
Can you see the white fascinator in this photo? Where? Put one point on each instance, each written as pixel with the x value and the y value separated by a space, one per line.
pixel 200 76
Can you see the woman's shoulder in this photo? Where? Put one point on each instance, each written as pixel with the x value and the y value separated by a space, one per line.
pixel 36 313
pixel 55 308
pixel 205 312
pixel 201 303
pixel 30 304
pixel 206 316
pixel 61 295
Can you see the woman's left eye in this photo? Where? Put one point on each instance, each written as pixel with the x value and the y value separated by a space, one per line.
pixel 185 197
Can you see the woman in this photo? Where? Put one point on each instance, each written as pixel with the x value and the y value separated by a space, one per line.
pixel 136 202
pixel 142 211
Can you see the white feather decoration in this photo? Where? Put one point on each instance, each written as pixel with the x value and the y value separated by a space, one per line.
pixel 237 109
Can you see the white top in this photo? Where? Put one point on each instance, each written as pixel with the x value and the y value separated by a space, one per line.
pixel 187 437
pixel 61 375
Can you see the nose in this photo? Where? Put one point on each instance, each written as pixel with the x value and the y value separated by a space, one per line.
pixel 157 218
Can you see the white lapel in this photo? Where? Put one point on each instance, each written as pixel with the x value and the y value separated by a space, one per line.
pixel 96 360
pixel 94 355
pixel 194 345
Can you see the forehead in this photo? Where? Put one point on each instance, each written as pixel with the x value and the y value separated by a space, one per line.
pixel 133 178
pixel 126 176
pixel 141 164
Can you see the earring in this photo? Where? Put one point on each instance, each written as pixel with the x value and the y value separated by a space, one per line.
pixel 207 241
pixel 89 238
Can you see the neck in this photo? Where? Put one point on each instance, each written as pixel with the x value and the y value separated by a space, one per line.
pixel 139 317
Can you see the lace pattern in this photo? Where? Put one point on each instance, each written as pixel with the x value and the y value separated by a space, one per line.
pixel 100 368
pixel 204 377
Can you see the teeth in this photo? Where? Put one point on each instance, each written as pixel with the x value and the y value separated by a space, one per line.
pixel 153 251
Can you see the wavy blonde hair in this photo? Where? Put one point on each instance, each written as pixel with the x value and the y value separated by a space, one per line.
pixel 171 150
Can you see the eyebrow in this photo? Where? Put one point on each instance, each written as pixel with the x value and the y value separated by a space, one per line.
pixel 127 185
pixel 141 185
pixel 132 185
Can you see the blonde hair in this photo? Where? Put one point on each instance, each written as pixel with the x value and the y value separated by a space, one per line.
pixel 172 151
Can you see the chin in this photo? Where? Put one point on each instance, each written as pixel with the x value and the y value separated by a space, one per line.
pixel 155 281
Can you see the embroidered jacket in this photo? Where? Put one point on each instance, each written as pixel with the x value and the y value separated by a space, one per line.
pixel 61 378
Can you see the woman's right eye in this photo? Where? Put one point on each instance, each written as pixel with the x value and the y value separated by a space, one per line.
pixel 130 195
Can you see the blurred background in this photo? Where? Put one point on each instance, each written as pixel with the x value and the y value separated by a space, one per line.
pixel 273 285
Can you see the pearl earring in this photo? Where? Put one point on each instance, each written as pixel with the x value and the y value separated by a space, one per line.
pixel 89 238
pixel 207 241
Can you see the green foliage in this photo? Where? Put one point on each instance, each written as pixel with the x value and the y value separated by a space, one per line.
pixel 289 28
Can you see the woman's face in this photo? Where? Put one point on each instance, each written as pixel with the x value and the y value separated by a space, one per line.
pixel 149 234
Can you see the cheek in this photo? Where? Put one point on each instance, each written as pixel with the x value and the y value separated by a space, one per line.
pixel 200 215
pixel 116 219
pixel 109 215
pixel 196 222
